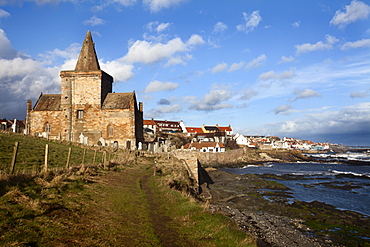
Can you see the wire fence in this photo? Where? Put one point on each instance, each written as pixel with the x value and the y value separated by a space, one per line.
pixel 33 156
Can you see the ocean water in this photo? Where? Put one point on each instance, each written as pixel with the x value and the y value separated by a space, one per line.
pixel 343 186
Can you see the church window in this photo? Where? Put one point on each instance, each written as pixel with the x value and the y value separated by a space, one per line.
pixel 80 114
pixel 47 128
pixel 110 130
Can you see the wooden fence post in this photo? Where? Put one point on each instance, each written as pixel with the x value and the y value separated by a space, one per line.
pixel 68 157
pixel 14 158
pixel 83 156
pixel 46 158
pixel 94 157
pixel 105 159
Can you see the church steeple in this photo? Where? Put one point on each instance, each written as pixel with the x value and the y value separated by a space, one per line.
pixel 87 61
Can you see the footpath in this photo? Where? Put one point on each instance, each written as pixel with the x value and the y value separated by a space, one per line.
pixel 121 207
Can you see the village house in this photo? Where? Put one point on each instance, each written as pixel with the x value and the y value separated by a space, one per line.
pixel 87 111
pixel 16 126
pixel 210 147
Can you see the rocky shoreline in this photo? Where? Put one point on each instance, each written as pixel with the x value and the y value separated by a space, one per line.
pixel 274 221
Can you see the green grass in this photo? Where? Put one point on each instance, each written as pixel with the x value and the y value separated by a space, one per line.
pixel 31 153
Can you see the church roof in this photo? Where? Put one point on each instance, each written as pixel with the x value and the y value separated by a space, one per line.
pixel 87 60
pixel 48 102
pixel 118 100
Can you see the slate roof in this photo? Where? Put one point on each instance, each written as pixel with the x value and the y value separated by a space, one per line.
pixel 48 102
pixel 118 101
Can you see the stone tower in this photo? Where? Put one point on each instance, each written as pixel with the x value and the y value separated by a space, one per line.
pixel 87 111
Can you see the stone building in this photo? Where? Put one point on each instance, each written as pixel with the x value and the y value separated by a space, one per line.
pixel 87 111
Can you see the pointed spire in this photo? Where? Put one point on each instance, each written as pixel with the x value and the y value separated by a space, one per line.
pixel 87 60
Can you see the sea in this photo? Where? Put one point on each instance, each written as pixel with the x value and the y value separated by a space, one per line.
pixel 346 187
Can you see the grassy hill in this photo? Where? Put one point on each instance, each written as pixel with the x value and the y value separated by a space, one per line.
pixel 86 205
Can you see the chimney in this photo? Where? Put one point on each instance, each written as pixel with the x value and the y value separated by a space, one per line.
pixel 29 105
pixel 141 106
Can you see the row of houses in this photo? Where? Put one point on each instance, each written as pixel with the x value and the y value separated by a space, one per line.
pixel 274 142
pixel 16 126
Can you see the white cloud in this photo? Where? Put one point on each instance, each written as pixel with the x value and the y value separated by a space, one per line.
pixel 349 123
pixel 357 44
pixel 156 86
pixel 357 10
pixel 157 5
pixel 359 94
pixel 4 14
pixel 307 47
pixel 157 27
pixel 214 100
pixel 285 59
pixel 236 66
pixel 118 69
pixel 247 94
pixel 271 75
pixel 251 22
pixel 94 21
pixel 163 109
pixel 125 3
pixel 296 24
pixel 257 62
pixel 195 39
pixel 6 49
pixel 284 110
pixel 219 68
pixel 306 93
pixel 219 27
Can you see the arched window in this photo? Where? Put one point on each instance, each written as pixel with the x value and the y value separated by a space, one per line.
pixel 110 130
pixel 47 128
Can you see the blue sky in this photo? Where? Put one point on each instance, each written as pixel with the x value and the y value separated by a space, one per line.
pixel 286 68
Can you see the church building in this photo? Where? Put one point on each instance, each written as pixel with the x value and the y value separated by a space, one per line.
pixel 87 111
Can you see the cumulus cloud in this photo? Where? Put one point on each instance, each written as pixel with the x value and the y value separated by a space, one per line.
pixel 214 100
pixel 94 21
pixel 219 27
pixel 156 86
pixel 219 68
pixel 357 44
pixel 6 49
pixel 142 51
pixel 120 70
pixel 307 47
pixel 285 59
pixel 158 5
pixel 257 62
pixel 251 22
pixel 157 27
pixel 342 126
pixel 306 93
pixel 357 10
pixel 271 75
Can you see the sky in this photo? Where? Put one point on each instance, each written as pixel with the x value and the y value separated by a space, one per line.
pixel 292 68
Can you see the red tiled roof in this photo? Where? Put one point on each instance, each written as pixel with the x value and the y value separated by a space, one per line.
pixel 194 130
pixel 149 122
pixel 228 128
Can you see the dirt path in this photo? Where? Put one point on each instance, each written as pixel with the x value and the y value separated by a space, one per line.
pixel 123 209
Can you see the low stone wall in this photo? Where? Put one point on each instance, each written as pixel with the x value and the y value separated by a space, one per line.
pixel 206 158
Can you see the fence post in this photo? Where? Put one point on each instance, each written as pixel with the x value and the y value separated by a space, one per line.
pixel 83 156
pixel 68 157
pixel 94 157
pixel 14 158
pixel 105 159
pixel 46 158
